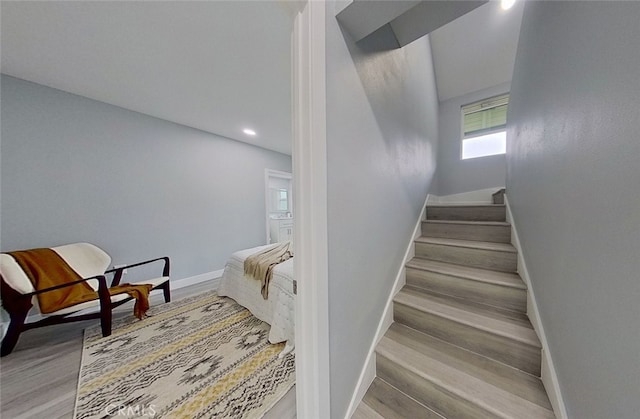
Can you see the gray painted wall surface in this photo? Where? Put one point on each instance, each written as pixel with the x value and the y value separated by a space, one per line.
pixel 454 174
pixel 381 157
pixel 573 180
pixel 74 169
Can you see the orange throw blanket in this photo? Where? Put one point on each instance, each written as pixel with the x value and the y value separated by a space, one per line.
pixel 140 292
pixel 46 269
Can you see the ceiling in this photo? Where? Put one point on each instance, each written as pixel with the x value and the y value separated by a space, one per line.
pixel 477 50
pixel 218 66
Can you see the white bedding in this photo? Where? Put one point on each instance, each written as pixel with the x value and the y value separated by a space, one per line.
pixel 278 310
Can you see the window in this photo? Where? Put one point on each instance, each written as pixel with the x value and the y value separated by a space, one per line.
pixel 283 200
pixel 278 191
pixel 484 126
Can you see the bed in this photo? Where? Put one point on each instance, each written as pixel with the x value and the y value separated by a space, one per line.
pixel 278 310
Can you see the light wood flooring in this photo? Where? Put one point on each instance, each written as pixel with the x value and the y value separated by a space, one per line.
pixel 39 378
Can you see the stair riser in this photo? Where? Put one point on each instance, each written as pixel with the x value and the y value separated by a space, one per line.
pixel 493 372
pixel 365 412
pixel 479 258
pixel 496 295
pixel 427 392
pixel 391 403
pixel 489 233
pixel 467 213
pixel 508 351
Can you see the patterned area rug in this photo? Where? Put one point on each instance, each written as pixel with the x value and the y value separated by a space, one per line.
pixel 199 357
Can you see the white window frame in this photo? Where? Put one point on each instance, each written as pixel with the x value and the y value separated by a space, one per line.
pixel 484 104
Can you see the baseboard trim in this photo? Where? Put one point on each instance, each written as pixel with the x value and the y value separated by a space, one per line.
pixel 192 280
pixel 548 371
pixel 479 197
pixel 213 276
pixel 368 372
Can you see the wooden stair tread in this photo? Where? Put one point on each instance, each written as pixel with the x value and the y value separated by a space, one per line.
pixel 493 311
pixel 490 398
pixel 481 245
pixel 505 279
pixel 468 316
pixel 391 403
pixel 470 223
pixel 468 212
pixel 364 411
pixel 510 379
pixel 452 205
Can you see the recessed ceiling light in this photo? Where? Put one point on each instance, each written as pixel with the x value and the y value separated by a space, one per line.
pixel 507 4
pixel 249 131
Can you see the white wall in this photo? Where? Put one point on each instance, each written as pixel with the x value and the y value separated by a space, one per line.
pixel 454 174
pixel 573 180
pixel 74 169
pixel 381 158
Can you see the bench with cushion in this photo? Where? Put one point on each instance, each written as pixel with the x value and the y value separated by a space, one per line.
pixel 90 263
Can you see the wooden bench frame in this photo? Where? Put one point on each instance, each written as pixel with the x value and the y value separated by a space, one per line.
pixel 18 305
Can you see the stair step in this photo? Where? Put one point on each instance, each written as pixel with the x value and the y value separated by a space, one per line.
pixel 390 403
pixel 480 254
pixel 363 411
pixel 518 318
pixel 510 379
pixel 447 390
pixel 500 339
pixel 498 197
pixel 496 288
pixel 476 309
pixel 505 279
pixel 490 231
pixel 487 212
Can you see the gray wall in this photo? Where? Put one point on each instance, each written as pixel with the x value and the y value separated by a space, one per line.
pixel 454 174
pixel 74 169
pixel 573 180
pixel 381 157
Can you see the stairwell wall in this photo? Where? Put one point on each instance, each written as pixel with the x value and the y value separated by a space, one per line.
pixel 382 133
pixel 572 179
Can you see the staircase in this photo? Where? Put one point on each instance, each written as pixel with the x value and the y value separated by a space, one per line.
pixel 461 345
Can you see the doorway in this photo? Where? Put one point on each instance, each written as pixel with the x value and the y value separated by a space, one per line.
pixel 278 206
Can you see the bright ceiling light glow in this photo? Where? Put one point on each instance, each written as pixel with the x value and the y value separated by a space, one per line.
pixel 249 131
pixel 507 4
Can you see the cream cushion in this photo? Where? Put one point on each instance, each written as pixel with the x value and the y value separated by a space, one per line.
pixel 85 259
